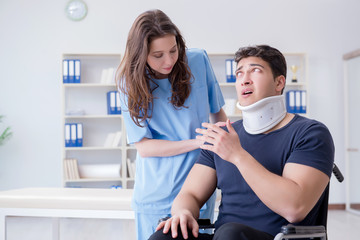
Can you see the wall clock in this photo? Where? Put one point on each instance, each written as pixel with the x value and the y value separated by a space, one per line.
pixel 76 10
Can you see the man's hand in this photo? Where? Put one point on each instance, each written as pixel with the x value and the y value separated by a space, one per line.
pixel 185 220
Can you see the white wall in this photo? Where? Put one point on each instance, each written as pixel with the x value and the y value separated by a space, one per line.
pixel 34 34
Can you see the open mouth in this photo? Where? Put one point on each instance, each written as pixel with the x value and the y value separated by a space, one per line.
pixel 247 92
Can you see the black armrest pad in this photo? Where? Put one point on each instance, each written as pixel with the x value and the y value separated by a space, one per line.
pixel 291 229
pixel 205 223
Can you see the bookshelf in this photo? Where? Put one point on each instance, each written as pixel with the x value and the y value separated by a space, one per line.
pixel 86 103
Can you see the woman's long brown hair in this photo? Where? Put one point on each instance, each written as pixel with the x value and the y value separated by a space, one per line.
pixel 134 75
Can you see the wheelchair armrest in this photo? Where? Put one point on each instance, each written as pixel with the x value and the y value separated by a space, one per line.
pixel 295 232
pixel 205 223
pixel 291 229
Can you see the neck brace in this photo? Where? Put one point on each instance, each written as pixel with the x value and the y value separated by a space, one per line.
pixel 263 115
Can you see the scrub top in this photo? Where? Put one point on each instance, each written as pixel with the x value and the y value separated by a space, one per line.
pixel 159 179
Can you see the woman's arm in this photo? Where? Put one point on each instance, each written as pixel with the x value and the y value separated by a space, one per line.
pixel 220 116
pixel 165 148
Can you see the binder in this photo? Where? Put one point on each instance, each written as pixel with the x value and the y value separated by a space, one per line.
pixel 79 135
pixel 234 65
pixel 303 102
pixel 67 135
pixel 71 71
pixel 118 104
pixel 228 70
pixel 73 135
pixel 290 101
pixel 65 71
pixel 77 71
pixel 111 102
pixel 297 101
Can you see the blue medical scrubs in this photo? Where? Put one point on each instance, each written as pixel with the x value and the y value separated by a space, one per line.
pixel 159 179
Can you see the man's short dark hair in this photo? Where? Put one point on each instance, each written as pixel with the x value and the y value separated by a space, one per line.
pixel 272 56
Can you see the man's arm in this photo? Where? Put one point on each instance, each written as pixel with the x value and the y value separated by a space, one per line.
pixel 197 189
pixel 291 195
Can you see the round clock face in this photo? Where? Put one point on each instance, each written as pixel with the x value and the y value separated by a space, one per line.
pixel 76 10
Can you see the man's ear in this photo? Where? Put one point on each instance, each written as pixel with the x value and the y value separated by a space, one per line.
pixel 280 83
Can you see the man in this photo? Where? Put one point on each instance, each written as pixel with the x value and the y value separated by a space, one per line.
pixel 272 167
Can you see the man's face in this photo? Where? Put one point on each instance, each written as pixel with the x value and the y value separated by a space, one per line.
pixel 255 81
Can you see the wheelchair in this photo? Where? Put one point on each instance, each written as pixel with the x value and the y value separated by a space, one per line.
pixel 291 231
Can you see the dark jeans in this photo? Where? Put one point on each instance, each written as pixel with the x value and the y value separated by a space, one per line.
pixel 228 231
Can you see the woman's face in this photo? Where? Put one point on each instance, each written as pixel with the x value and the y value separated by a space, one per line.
pixel 163 55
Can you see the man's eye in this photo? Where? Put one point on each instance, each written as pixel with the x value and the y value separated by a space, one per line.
pixel 256 70
pixel 238 74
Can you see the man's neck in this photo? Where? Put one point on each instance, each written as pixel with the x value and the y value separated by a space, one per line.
pixel 288 117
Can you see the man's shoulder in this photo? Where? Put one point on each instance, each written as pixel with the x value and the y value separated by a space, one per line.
pixel 307 122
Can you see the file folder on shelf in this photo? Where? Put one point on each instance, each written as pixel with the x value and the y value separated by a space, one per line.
pixel 67 135
pixel 303 102
pixel 77 71
pixel 113 102
pixel 297 101
pixel 65 71
pixel 230 67
pixel 290 101
pixel 79 135
pixel 118 104
pixel 71 71
pixel 73 134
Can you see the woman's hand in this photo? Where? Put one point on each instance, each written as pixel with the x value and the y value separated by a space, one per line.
pixel 224 143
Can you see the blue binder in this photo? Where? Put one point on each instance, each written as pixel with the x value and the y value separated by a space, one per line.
pixel 233 70
pixel 79 135
pixel 65 71
pixel 118 104
pixel 71 70
pixel 67 135
pixel 297 101
pixel 290 101
pixel 111 102
pixel 73 135
pixel 229 70
pixel 303 102
pixel 77 71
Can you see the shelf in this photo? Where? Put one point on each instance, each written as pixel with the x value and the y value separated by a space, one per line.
pixel 93 116
pixel 81 180
pixel 92 148
pixel 87 85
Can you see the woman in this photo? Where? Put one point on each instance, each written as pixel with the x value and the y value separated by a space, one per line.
pixel 166 92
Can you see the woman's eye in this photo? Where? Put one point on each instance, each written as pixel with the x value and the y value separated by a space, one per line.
pixel 157 56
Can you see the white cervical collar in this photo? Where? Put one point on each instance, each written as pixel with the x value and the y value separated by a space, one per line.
pixel 264 114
